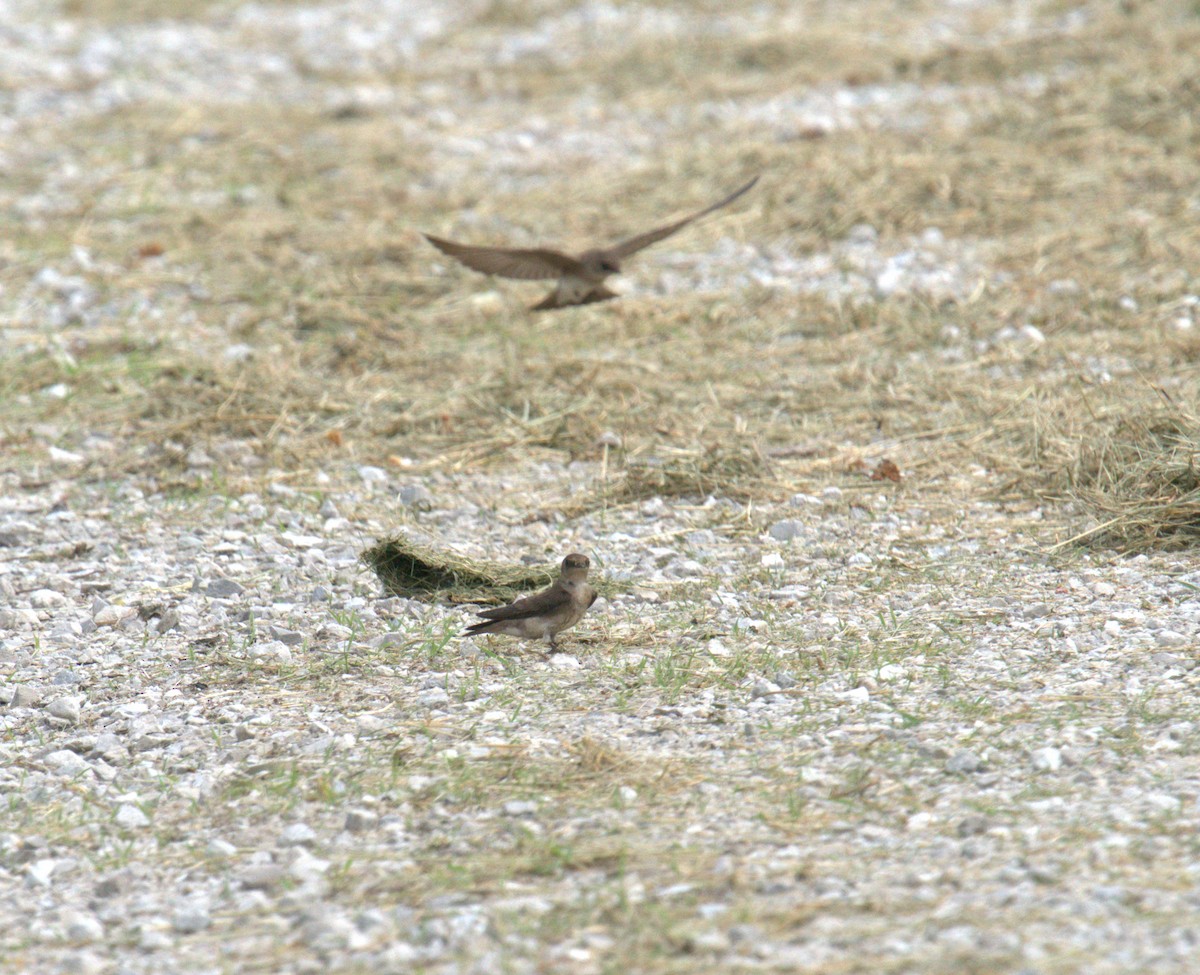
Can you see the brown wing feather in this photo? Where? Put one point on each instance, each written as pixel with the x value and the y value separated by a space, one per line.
pixel 635 244
pixel 527 264
pixel 538 604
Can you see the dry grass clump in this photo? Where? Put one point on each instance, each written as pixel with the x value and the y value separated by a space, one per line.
pixel 1137 475
pixel 1124 455
pixel 409 568
pixel 737 472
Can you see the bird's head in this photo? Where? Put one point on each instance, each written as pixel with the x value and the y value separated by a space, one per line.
pixel 575 569
pixel 600 264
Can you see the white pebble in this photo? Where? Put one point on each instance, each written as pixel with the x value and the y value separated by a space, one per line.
pixel 1047 759
pixel 130 817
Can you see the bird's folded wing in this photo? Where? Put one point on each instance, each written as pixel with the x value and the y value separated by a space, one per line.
pixel 537 605
pixel 508 262
pixel 635 244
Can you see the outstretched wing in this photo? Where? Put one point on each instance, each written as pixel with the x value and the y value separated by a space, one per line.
pixel 635 244
pixel 527 264
pixel 538 604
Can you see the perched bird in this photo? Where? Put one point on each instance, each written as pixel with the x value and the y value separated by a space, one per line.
pixel 545 614
pixel 580 279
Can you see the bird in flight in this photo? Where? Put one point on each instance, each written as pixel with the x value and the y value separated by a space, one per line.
pixel 545 614
pixel 580 278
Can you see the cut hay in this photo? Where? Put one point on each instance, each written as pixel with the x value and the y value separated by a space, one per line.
pixel 408 568
pixel 728 472
pixel 1137 477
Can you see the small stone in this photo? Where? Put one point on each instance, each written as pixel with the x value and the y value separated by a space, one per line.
pixel 39 873
pixel 564 661
pixel 858 695
pixel 964 761
pixel 716 648
pixel 271 649
pixel 785 680
pixel 302 542
pixel 415 496
pixel 320 594
pixel 297 834
pixel 261 876
pixel 309 870
pixel 1170 638
pixel 361 820
pixel 223 588
pixel 14 619
pixel 191 918
pixel 763 688
pixel 919 821
pixel 749 624
pixel 83 963
pixel 46 598
pixel 222 849
pixel 328 509
pixel 16 533
pixel 1166 660
pixel 66 708
pixel 83 928
pixel 973 825
pixel 113 885
pixel 66 762
pixel 399 955
pixel 152 939
pixel 786 530
pixel 433 696
pixel 366 725
pixel 130 817
pixel 1047 759
pixel 25 696
pixel 57 454
pixel 520 807
pixel 114 615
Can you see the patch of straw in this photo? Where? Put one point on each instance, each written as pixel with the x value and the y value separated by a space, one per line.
pixel 408 568
pixel 1137 476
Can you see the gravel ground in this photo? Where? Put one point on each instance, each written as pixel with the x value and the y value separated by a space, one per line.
pixel 866 728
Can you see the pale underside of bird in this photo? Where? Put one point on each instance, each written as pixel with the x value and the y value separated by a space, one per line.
pixel 545 614
pixel 580 278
